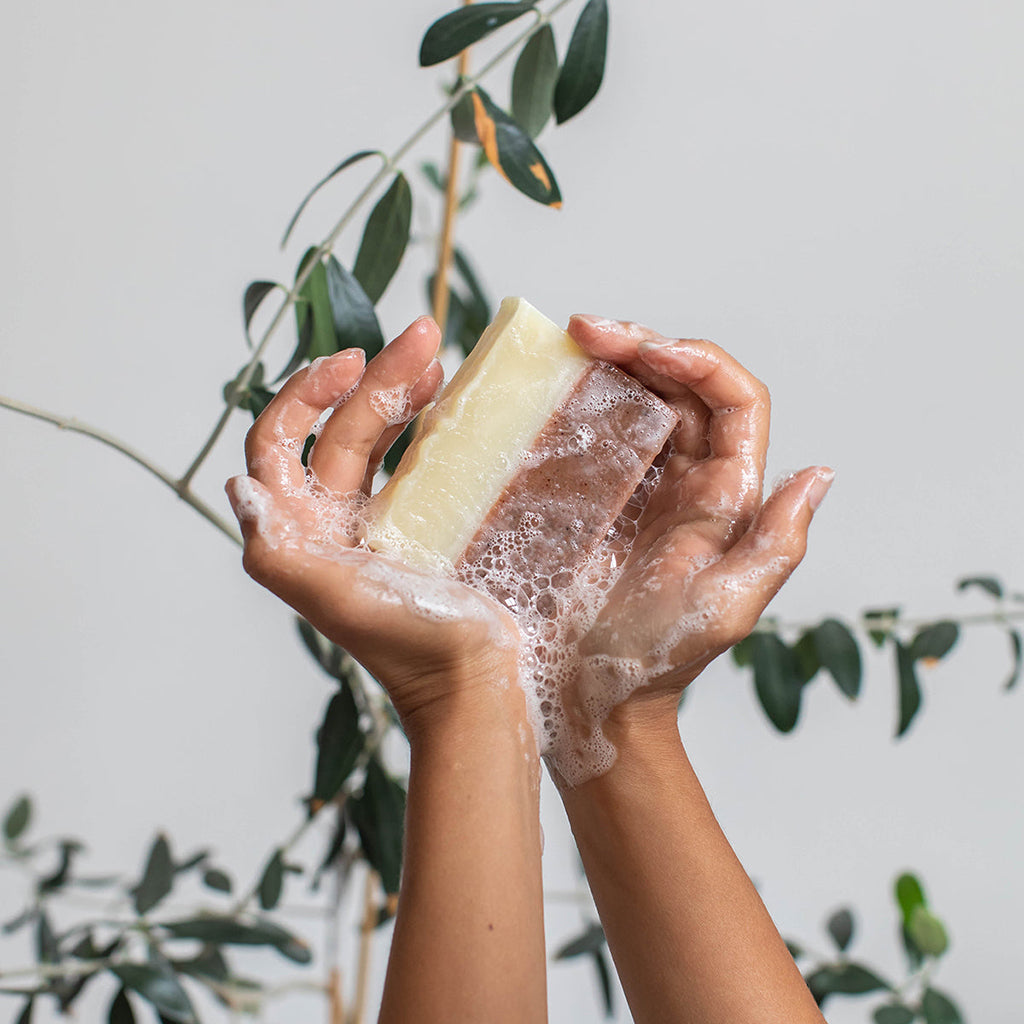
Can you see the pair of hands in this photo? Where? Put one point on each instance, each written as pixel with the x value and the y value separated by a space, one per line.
pixel 708 555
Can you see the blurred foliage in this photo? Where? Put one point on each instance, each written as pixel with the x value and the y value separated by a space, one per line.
pixel 150 954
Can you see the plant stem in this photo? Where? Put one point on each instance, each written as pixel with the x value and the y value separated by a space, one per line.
pixel 1001 617
pixel 451 207
pixel 325 247
pixel 78 427
pixel 365 943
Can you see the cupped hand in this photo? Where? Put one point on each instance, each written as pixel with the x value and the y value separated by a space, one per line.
pixel 427 639
pixel 709 554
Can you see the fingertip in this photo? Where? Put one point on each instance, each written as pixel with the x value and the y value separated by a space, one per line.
pixel 249 499
pixel 427 326
pixel 819 486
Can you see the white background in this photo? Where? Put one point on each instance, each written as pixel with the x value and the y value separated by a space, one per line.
pixel 829 190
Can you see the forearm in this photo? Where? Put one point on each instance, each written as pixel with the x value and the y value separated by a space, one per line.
pixel 469 936
pixel 691 939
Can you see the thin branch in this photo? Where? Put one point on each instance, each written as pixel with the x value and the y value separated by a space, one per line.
pixel 325 247
pixel 1000 617
pixel 78 427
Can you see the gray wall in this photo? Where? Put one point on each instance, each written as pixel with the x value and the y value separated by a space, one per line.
pixel 831 191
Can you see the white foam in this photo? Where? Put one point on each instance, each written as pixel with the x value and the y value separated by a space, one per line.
pixel 392 405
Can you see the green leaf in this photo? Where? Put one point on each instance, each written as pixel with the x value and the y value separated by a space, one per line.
pixel 67 990
pixel 334 660
pixel 25 917
pixel 348 162
pixel 25 1017
pixel 512 152
pixel 840 927
pixel 989 584
pixel 17 818
pixel 384 239
pixel 938 1008
pixel 463 121
pixel 604 979
pixel 47 949
pixel 60 877
pixel 893 1013
pixel 837 648
pixel 451 34
pixel 394 454
pixel 776 679
pixel 272 882
pixel 254 296
pixel 807 659
pixel 210 963
pixel 795 949
pixel 928 932
pixel 379 816
pixel 909 895
pixel 157 983
pixel 339 742
pixel 1017 652
pixel 909 688
pixel 157 878
pixel 219 881
pixel 742 653
pixel 197 858
pixel 879 623
pixel 478 306
pixel 533 81
pixel 228 931
pixel 591 941
pixel 121 1011
pixel 583 68
pixel 313 315
pixel 914 956
pixel 355 322
pixel 334 849
pixel 843 979
pixel 934 642
pixel 429 171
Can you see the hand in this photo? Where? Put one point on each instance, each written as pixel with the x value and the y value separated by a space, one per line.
pixel 708 555
pixel 425 638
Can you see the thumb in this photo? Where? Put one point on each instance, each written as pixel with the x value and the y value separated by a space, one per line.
pixel 758 564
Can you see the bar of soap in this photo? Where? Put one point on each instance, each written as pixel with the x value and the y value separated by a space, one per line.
pixel 526 459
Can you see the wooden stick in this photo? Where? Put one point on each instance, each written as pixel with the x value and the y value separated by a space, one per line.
pixel 367 929
pixel 451 208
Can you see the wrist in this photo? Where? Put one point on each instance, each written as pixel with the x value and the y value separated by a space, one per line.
pixel 645 735
pixel 470 708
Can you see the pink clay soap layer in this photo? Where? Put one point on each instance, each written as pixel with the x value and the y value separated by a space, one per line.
pixel 526 459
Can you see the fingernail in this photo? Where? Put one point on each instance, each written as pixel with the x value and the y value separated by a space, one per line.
pixel 599 323
pixel 820 484
pixel 656 344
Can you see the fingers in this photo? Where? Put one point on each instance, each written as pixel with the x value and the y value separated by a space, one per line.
pixel 422 394
pixel 258 515
pixel 762 560
pixel 273 445
pixel 343 450
pixel 737 400
pixel 722 440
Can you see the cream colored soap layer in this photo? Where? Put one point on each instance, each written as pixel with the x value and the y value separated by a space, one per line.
pixel 522 369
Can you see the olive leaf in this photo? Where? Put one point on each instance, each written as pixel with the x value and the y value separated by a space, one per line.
pixel 583 68
pixel 512 153
pixel 384 239
pixel 533 81
pixel 453 32
pixel 347 162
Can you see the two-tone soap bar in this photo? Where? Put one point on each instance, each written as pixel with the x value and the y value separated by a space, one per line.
pixel 530 454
